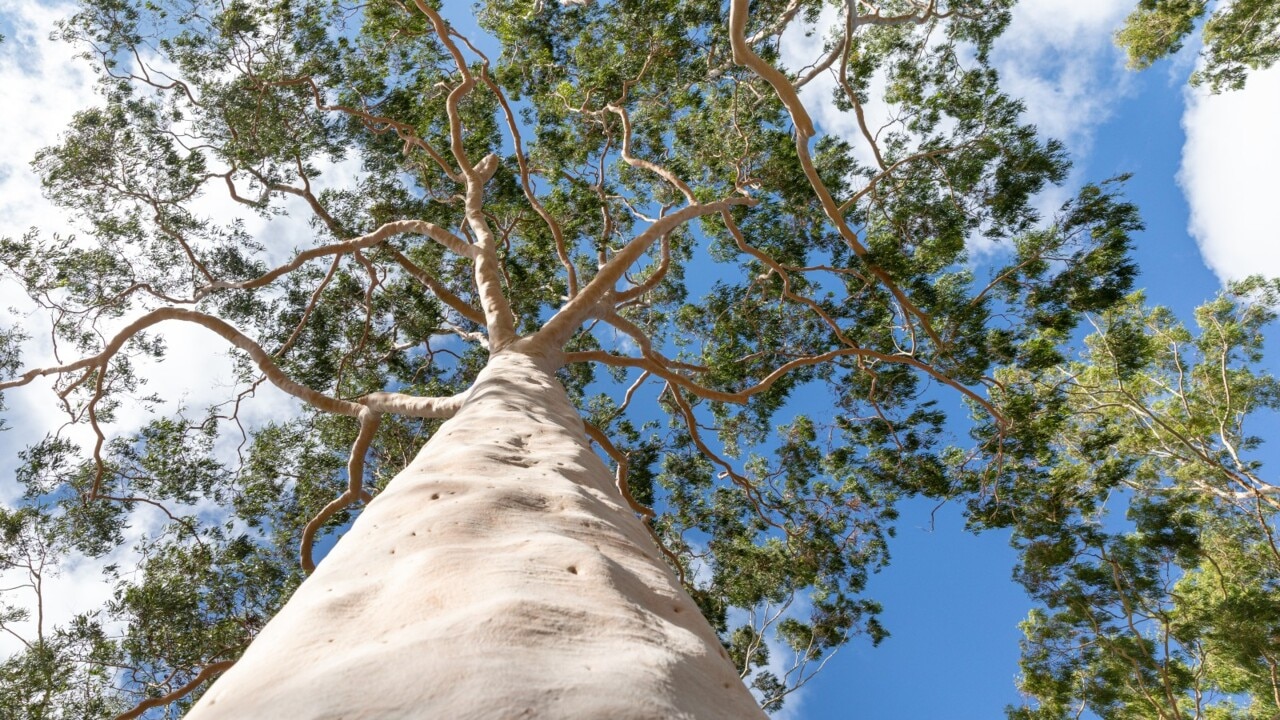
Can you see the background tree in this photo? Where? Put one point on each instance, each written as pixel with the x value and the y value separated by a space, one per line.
pixel 1172 611
pixel 634 187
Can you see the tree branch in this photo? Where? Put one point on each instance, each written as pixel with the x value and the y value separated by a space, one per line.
pixel 387 230
pixel 557 331
pixel 557 233
pixel 652 167
pixel 207 672
pixel 745 56
pixel 393 403
pixel 369 422
pixel 464 308
pixel 488 277
pixel 219 327
pixel 654 278
pixel 646 513
pixel 748 488
pixel 624 468
pixel 741 396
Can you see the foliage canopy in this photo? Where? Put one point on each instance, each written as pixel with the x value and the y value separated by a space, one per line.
pixel 1238 37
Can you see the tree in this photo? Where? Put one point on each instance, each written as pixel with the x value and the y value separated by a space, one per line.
pixel 1239 37
pixel 633 187
pixel 1173 612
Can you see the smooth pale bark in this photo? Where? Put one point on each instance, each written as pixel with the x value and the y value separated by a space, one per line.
pixel 500 575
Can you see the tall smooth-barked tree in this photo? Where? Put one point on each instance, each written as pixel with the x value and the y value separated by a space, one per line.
pixel 625 202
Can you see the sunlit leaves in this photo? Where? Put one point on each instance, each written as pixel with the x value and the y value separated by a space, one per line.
pixel 1169 610
pixel 1239 37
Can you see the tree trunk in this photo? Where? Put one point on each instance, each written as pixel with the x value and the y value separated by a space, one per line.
pixel 500 575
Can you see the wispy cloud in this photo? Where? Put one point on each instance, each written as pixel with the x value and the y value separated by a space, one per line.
pixel 43 87
pixel 1059 58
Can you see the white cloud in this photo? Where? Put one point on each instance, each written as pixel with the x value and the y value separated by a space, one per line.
pixel 1228 176
pixel 54 84
pixel 784 662
pixel 43 86
pixel 1059 58
pixel 51 86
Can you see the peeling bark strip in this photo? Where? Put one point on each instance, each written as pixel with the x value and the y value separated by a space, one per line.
pixel 500 575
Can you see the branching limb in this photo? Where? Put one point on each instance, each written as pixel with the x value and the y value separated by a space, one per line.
pixel 369 413
pixel 786 92
pixel 777 267
pixel 747 57
pixel 557 233
pixel 631 392
pixel 741 396
pixel 624 467
pixel 147 288
pixel 377 124
pixel 557 331
pixel 313 202
pixel 461 90
pixel 478 338
pixel 631 330
pixel 219 327
pixel 826 62
pixel 349 357
pixel 778 26
pixel 643 164
pixel 446 296
pixel 99 467
pixel 388 230
pixel 310 307
pixel 664 262
pixel 99 362
pixel 185 522
pixel 207 672
pixel 646 514
pixel 369 422
pixel 500 321
pixel 748 488
pixel 851 19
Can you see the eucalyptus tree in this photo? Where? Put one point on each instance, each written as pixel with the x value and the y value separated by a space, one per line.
pixel 622 228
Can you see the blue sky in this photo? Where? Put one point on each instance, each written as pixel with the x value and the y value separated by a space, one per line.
pixel 1202 176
